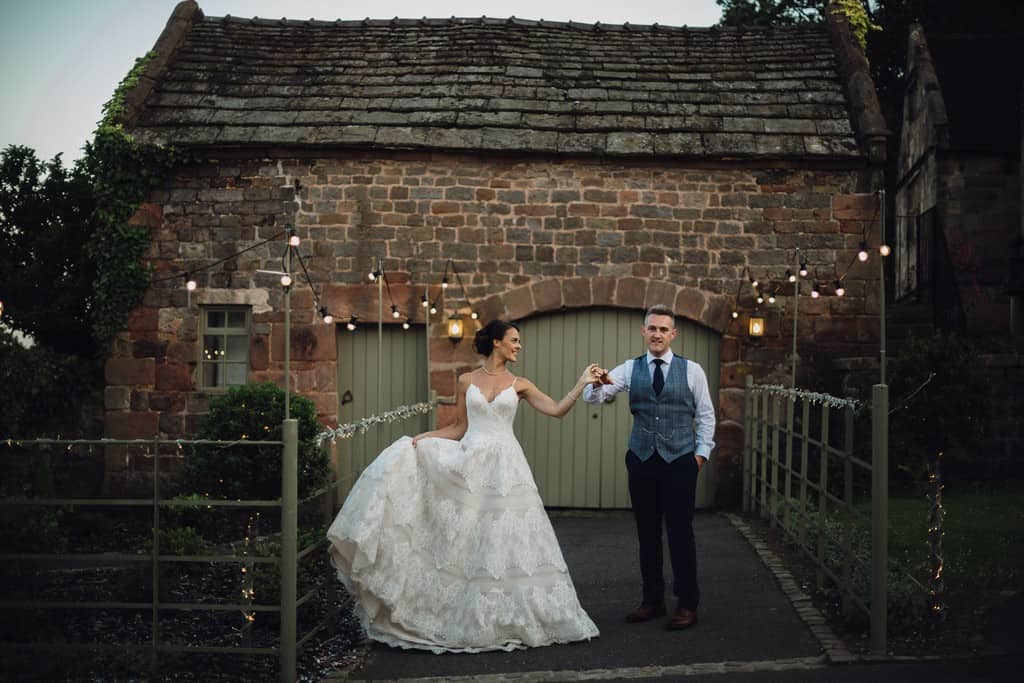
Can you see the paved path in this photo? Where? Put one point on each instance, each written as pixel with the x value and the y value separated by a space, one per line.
pixel 756 625
pixel 746 621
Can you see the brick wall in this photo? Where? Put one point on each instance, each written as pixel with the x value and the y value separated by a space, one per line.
pixel 526 235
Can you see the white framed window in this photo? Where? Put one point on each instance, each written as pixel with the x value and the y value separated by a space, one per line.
pixel 224 358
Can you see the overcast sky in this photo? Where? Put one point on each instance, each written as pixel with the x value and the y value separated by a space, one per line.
pixel 62 59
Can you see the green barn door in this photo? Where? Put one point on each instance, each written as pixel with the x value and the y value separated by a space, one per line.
pixel 578 461
pixel 403 382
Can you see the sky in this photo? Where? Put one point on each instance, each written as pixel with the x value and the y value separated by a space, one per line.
pixel 62 59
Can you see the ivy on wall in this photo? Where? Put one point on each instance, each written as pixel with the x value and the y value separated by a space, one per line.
pixel 124 172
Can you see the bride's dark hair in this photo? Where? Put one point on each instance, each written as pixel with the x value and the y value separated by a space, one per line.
pixel 493 331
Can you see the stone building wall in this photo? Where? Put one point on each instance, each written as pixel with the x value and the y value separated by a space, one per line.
pixel 526 235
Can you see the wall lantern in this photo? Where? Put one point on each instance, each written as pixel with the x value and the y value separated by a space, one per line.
pixel 756 326
pixel 455 329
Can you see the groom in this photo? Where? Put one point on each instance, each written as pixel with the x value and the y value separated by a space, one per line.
pixel 668 395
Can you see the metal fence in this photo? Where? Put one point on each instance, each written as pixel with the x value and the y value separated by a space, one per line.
pixel 804 472
pixel 288 602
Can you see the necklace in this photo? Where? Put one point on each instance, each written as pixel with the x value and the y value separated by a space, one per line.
pixel 491 372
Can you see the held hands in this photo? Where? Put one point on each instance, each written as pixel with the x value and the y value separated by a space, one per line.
pixel 591 375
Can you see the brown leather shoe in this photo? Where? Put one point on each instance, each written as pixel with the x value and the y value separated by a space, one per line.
pixel 645 613
pixel 683 618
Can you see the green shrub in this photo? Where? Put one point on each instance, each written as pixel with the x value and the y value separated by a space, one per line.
pixel 254 412
pixel 945 414
pixel 181 541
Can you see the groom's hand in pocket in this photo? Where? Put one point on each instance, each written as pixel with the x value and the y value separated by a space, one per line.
pixel 700 461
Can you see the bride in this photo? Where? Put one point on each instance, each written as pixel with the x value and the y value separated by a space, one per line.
pixel 443 542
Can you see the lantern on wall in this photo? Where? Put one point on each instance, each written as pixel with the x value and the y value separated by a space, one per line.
pixel 455 328
pixel 755 328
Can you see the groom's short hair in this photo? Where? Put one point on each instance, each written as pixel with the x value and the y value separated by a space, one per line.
pixel 660 309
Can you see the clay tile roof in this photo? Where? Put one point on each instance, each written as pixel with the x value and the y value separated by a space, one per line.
pixel 485 84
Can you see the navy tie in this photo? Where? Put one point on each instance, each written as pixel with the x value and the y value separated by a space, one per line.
pixel 659 378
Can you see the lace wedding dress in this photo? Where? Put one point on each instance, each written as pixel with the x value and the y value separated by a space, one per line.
pixel 447 547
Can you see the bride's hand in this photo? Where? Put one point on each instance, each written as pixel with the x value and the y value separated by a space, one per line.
pixel 591 374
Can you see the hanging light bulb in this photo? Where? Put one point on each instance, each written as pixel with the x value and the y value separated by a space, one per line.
pixel 294 240
pixel 790 276
pixel 760 299
pixel 474 315
pixel 884 249
pixel 351 325
pixel 840 290
pixel 423 301
pixel 735 314
pixel 803 269
pixel 328 318
pixel 433 308
pixel 815 292
pixel 444 283
pixel 190 283
pixel 286 280
pixel 862 255
pixel 394 311
pixel 406 325
pixel 771 298
pixel 753 282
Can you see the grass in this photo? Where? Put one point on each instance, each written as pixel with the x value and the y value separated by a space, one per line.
pixel 983 540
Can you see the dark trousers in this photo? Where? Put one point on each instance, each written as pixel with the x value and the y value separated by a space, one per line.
pixel 665 491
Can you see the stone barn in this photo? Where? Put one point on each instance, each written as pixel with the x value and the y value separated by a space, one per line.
pixel 561 175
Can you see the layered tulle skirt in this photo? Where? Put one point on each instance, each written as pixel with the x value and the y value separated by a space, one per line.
pixel 446 547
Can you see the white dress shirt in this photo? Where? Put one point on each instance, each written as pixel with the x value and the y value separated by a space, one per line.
pixel 696 380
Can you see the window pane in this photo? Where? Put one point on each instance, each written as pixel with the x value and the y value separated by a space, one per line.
pixel 237 348
pixel 211 375
pixel 236 319
pixel 215 318
pixel 213 347
pixel 236 373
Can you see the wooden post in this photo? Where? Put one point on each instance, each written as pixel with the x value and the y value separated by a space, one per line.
pixel 879 516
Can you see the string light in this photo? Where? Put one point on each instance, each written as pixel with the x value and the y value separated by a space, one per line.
pixel 803 269
pixel 423 301
pixel 293 239
pixel 433 308
pixel 372 275
pixel 760 299
pixel 790 276
pixel 735 314
pixel 190 283
pixel 771 298
pixel 328 318
pixel 884 249
pixel 406 325
pixel 815 292
pixel 840 290
pixel 862 255
pixel 394 312
pixel 444 283
pixel 472 314
pixel 351 324
pixel 286 280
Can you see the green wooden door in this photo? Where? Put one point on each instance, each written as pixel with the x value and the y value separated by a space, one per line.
pixel 579 461
pixel 403 381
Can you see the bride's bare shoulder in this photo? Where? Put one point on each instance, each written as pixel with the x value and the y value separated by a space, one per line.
pixel 465 379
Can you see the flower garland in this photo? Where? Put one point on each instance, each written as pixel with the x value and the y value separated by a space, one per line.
pixel 814 397
pixel 347 431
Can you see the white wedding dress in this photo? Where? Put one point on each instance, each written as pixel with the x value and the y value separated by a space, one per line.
pixel 446 546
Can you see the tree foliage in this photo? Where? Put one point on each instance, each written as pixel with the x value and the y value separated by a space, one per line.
pixel 45 277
